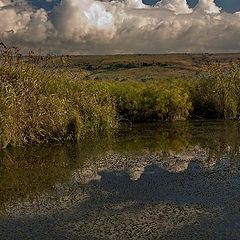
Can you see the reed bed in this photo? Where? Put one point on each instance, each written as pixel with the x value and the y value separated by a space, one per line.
pixel 42 100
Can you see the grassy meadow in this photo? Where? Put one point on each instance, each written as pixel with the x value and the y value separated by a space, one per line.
pixel 47 99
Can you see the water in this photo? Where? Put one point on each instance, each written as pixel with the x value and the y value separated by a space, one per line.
pixel 176 181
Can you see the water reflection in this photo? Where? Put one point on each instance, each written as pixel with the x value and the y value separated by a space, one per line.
pixel 178 179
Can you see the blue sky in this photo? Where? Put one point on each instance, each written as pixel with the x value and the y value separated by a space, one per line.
pixel 227 5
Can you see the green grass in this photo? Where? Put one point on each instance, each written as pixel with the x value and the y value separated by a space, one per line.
pixel 142 74
pixel 150 101
pixel 217 93
pixel 38 105
pixel 142 67
pixel 48 101
pixel 41 106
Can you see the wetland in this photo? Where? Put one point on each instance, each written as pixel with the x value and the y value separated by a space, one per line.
pixel 144 181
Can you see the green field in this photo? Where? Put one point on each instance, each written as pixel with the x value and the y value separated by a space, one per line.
pixel 146 67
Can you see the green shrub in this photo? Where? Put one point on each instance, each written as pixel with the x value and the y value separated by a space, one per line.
pixel 150 101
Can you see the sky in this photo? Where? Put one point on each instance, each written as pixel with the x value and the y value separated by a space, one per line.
pixel 121 26
pixel 227 5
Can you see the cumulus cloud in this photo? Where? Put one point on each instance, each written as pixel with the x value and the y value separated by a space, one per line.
pixel 177 6
pixel 120 26
pixel 207 6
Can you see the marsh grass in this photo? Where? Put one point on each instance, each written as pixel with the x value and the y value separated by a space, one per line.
pixel 217 92
pixel 41 105
pixel 43 100
pixel 151 101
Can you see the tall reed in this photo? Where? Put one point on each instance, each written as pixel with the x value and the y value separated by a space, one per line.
pixel 40 105
pixel 217 93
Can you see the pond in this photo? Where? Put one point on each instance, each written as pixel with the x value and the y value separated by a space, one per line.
pixel 146 181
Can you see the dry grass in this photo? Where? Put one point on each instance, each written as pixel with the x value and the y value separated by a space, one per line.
pixel 40 106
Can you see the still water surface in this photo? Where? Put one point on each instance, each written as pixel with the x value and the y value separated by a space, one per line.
pixel 175 181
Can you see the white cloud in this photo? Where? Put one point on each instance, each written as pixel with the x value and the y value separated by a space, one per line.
pixel 120 26
pixel 207 6
pixel 177 6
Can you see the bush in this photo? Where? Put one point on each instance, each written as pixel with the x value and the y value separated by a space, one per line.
pixel 151 101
